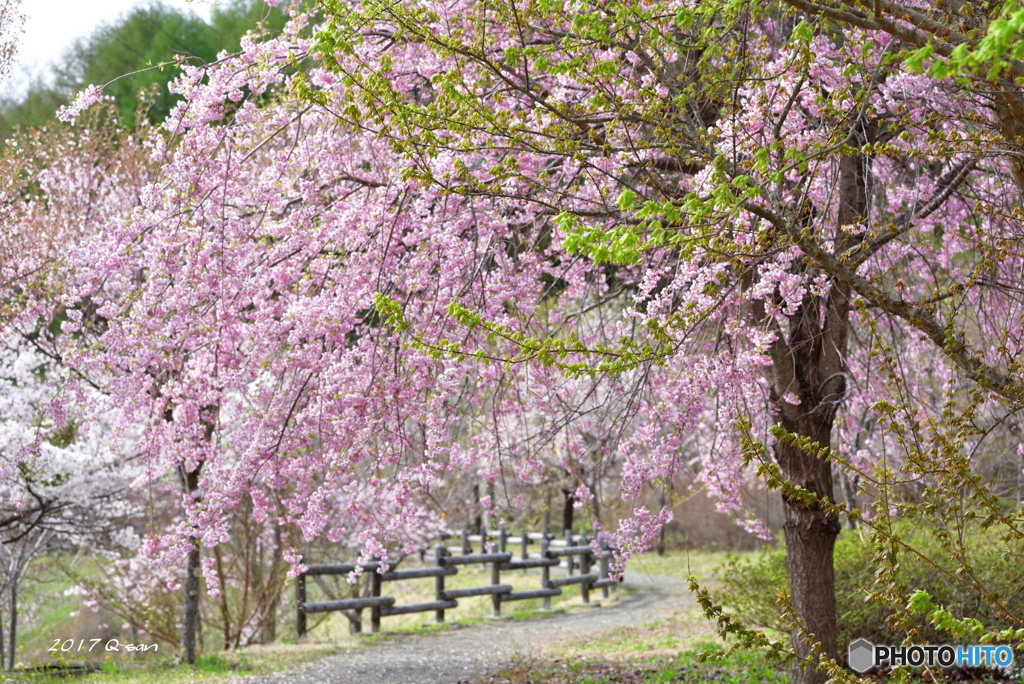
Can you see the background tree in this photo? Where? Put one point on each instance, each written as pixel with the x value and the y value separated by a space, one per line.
pixel 10 28
pixel 62 482
pixel 120 53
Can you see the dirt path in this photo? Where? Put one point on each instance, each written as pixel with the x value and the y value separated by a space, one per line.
pixel 461 654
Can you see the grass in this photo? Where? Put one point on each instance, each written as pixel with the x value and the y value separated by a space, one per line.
pixel 159 669
pixel 655 645
pixel 662 638
pixel 679 564
pixel 741 668
pixel 50 612
pixel 662 652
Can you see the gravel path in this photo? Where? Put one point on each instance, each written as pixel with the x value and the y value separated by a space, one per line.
pixel 464 653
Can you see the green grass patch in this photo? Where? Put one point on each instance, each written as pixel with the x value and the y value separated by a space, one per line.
pixel 148 667
pixel 740 668
pixel 679 564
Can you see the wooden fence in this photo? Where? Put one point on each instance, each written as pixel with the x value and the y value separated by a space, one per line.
pixel 572 552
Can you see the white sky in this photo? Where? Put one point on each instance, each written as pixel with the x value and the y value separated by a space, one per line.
pixel 51 26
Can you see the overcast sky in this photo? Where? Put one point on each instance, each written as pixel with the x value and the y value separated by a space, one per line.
pixel 53 25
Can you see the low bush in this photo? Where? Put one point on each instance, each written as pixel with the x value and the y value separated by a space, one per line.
pixel 987 587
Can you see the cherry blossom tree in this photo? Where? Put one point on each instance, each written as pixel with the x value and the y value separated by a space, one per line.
pixel 777 178
pixel 61 484
pixel 457 229
pixel 62 479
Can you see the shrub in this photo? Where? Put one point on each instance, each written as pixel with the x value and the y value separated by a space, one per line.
pixel 992 592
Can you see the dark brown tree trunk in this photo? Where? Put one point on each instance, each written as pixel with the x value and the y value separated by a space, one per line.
pixel 478 518
pixel 810 539
pixel 808 363
pixel 660 548
pixel 191 627
pixel 190 611
pixel 811 369
pixel 567 508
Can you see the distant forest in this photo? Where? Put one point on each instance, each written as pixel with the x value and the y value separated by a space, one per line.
pixel 147 36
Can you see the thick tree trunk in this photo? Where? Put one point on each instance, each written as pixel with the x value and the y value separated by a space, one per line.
pixel 817 378
pixel 810 539
pixel 809 363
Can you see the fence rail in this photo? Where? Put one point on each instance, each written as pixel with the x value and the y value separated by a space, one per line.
pixel 572 552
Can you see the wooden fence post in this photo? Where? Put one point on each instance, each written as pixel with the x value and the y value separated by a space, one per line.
pixel 615 586
pixel 439 553
pixel 445 560
pixel 357 626
pixel 375 592
pixel 545 571
pixel 584 570
pixel 604 566
pixel 568 559
pixel 300 602
pixel 495 580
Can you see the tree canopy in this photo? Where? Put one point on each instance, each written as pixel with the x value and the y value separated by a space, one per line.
pixel 399 242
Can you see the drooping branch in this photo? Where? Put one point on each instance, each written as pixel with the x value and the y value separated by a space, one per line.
pixel 947 185
pixel 921 318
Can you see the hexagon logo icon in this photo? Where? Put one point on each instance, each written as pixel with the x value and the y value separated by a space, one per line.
pixel 862 655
